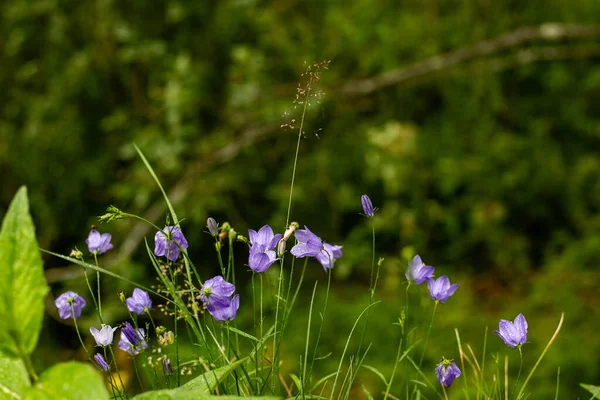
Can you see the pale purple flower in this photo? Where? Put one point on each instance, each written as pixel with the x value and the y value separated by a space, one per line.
pixel 98 243
pixel 167 367
pixel 139 302
pixel 99 358
pixel 69 305
pixel 216 287
pixel 513 334
pixel 328 255
pixel 441 289
pixel 259 261
pixel 169 247
pixel 367 206
pixel 417 272
pixel 213 227
pixel 262 245
pixel 104 336
pixel 446 372
pixel 309 244
pixel 223 308
pixel 132 341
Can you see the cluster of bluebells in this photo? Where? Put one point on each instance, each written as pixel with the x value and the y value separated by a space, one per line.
pixel 216 295
pixel 439 289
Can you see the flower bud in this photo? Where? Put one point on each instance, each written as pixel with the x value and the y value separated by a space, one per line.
pixel 160 330
pixel 122 297
pixel 167 368
pixel 232 234
pixel 242 238
pixel 76 253
pixel 281 247
pixel 213 227
pixel 367 206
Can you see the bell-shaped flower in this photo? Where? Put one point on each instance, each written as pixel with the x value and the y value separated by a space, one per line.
pixel 309 244
pixel 262 248
pixel 446 372
pixel 513 334
pixel 99 358
pixel 441 289
pixel 223 308
pixel 98 243
pixel 169 247
pixel 216 287
pixel 104 336
pixel 260 261
pixel 132 340
pixel 417 272
pixel 69 305
pixel 328 255
pixel 213 227
pixel 140 302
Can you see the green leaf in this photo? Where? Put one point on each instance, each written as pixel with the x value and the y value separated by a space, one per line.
pixel 69 381
pixel 595 390
pixel 14 380
pixel 22 283
pixel 178 394
pixel 208 381
pixel 369 396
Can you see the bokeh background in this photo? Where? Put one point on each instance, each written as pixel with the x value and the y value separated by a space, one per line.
pixel 474 126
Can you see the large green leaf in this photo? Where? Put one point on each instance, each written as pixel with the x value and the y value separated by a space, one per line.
pixel 208 381
pixel 22 283
pixel 69 381
pixel 178 394
pixel 595 390
pixel 14 380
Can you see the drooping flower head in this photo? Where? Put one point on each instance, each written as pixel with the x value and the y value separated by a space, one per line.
pixel 140 302
pixel 132 340
pixel 168 247
pixel 262 245
pixel 367 206
pixel 446 372
pixel 98 243
pixel 104 336
pixel 417 272
pixel 513 334
pixel 69 305
pixel 213 227
pixel 99 358
pixel 223 308
pixel 309 244
pixel 216 287
pixel 328 255
pixel 441 289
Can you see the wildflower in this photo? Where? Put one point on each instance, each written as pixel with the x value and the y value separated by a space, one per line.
pixel 223 308
pixel 132 340
pixel 513 334
pixel 69 305
pixel 213 227
pixel 169 246
pixel 418 272
pixel 328 255
pixel 167 367
pixel 440 289
pixel 99 358
pixel 104 336
pixel 98 243
pixel 262 253
pixel 367 206
pixel 446 372
pixel 216 287
pixel 140 302
pixel 309 244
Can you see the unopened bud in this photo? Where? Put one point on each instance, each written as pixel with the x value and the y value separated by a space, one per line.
pixel 76 253
pixel 122 297
pixel 218 246
pixel 281 247
pixel 160 330
pixel 213 227
pixel 242 238
pixel 232 234
pixel 112 213
pixel 167 368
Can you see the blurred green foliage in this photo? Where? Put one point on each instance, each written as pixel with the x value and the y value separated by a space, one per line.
pixel 491 174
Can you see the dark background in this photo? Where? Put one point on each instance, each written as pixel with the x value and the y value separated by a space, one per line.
pixel 473 125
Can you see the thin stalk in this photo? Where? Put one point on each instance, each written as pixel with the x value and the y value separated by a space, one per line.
pixel 304 377
pixel 389 385
pixel 112 353
pixel 137 374
pixel 428 333
pixel 371 291
pixel 557 383
pixel 316 346
pixel 462 363
pixel 98 284
pixel 562 317
pixel 77 330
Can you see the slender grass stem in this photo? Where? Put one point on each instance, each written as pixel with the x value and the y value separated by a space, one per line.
pixel 428 333
pixel 77 330
pixel 98 285
pixel 462 363
pixel 316 346
pixel 112 353
pixel 389 385
pixel 304 377
pixel 557 384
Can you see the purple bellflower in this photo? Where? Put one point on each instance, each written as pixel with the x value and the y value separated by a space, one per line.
pixel 367 206
pixel 513 334
pixel 98 243
pixel 309 244
pixel 223 308
pixel 99 358
pixel 104 336
pixel 140 302
pixel 262 245
pixel 216 287
pixel 69 305
pixel 417 272
pixel 328 255
pixel 164 246
pixel 441 289
pixel 446 372
pixel 132 341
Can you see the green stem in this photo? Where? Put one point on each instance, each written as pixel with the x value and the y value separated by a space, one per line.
pixel 389 385
pixel 304 377
pixel 428 333
pixel 77 330
pixel 112 353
